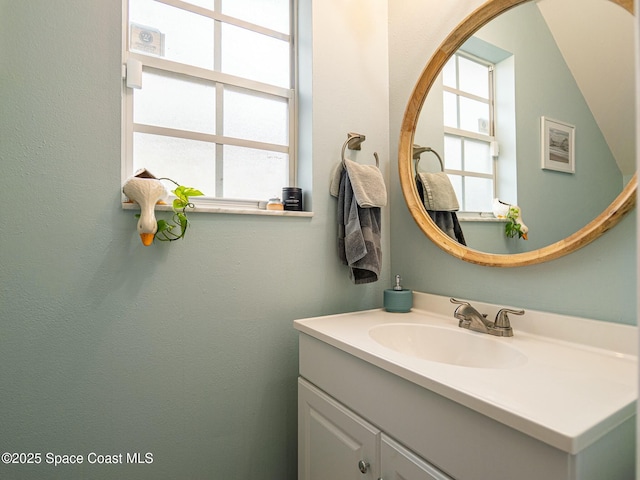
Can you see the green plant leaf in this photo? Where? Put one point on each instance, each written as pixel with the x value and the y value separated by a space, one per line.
pixel 511 229
pixel 179 192
pixel 182 218
pixel 163 225
pixel 185 192
pixel 179 203
pixel 192 192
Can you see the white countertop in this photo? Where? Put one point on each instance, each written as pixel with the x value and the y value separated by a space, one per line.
pixel 579 380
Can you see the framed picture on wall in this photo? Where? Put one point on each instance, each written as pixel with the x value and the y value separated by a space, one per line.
pixel 558 145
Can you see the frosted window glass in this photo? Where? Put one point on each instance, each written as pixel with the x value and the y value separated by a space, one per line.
pixel 473 115
pixel 188 162
pixel 477 157
pixel 254 174
pixel 474 78
pixel 456 182
pixel 175 101
pixel 273 14
pixel 450 105
pixel 478 194
pixel 449 73
pixel 255 117
pixel 188 37
pixel 255 56
pixel 452 152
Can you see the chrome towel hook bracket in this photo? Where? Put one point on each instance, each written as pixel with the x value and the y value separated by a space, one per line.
pixel 354 142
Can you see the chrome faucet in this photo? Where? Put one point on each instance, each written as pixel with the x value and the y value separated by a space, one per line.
pixel 471 319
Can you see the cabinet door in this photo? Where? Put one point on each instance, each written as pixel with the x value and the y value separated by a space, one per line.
pixel 398 463
pixel 332 440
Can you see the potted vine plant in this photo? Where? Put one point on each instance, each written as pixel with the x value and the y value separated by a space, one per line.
pixel 514 226
pixel 180 204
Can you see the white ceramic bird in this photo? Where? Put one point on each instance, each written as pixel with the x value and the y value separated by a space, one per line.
pixel 501 210
pixel 145 190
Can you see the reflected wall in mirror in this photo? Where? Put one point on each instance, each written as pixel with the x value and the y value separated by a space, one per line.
pixel 570 60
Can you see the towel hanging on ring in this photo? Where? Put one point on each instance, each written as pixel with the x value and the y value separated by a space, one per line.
pixel 366 181
pixel 437 192
pixel 435 189
pixel 439 197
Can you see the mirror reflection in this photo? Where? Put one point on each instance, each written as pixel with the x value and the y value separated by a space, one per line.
pixel 534 111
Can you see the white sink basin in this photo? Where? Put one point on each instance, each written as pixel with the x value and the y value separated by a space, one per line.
pixel 444 345
pixel 563 380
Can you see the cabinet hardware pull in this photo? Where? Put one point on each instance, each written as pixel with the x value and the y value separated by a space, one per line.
pixel 363 466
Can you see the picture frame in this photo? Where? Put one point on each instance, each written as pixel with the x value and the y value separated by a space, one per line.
pixel 558 145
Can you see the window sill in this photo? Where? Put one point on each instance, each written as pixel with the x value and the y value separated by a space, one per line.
pixel 228 210
pixel 478 217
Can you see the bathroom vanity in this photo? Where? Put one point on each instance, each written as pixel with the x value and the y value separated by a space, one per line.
pixel 412 396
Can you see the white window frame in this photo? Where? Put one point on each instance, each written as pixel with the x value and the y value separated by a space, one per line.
pixel 489 138
pixel 217 203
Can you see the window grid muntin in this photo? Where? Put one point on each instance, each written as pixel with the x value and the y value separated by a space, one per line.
pixel 221 80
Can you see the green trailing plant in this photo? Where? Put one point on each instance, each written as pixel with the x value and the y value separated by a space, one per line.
pixel 166 230
pixel 512 227
pixel 175 229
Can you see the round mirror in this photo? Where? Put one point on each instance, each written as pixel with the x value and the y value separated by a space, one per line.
pixel 512 115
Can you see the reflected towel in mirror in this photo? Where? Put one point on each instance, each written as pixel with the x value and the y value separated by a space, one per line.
pixel 441 202
pixel 438 193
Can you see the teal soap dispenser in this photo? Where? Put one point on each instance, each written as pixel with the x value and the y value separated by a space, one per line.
pixel 398 299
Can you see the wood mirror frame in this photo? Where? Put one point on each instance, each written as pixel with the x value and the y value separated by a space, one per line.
pixel 607 219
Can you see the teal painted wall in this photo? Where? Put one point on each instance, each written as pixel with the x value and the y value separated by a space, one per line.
pixel 184 350
pixel 599 281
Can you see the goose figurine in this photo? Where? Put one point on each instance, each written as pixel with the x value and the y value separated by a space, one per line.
pixel 145 190
pixel 501 210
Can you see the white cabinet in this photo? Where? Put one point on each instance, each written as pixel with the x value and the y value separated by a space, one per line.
pixel 398 463
pixel 433 430
pixel 335 443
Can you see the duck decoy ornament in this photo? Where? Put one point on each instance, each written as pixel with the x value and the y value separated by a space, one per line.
pixel 146 190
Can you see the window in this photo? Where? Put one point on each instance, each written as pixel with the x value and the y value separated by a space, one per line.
pixel 216 107
pixel 469 131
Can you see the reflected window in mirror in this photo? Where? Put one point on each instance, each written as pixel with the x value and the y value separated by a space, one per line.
pixel 471 111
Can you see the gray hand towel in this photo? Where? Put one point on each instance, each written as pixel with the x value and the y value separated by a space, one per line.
pixel 438 192
pixel 446 220
pixel 336 178
pixel 359 238
pixel 366 181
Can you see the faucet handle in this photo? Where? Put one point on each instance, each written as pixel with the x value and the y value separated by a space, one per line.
pixel 502 319
pixel 465 308
pixel 459 302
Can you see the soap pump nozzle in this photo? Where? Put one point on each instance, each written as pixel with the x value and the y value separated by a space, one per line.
pixel 397 285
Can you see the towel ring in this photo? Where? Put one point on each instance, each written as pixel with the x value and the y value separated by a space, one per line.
pixel 354 142
pixel 418 150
